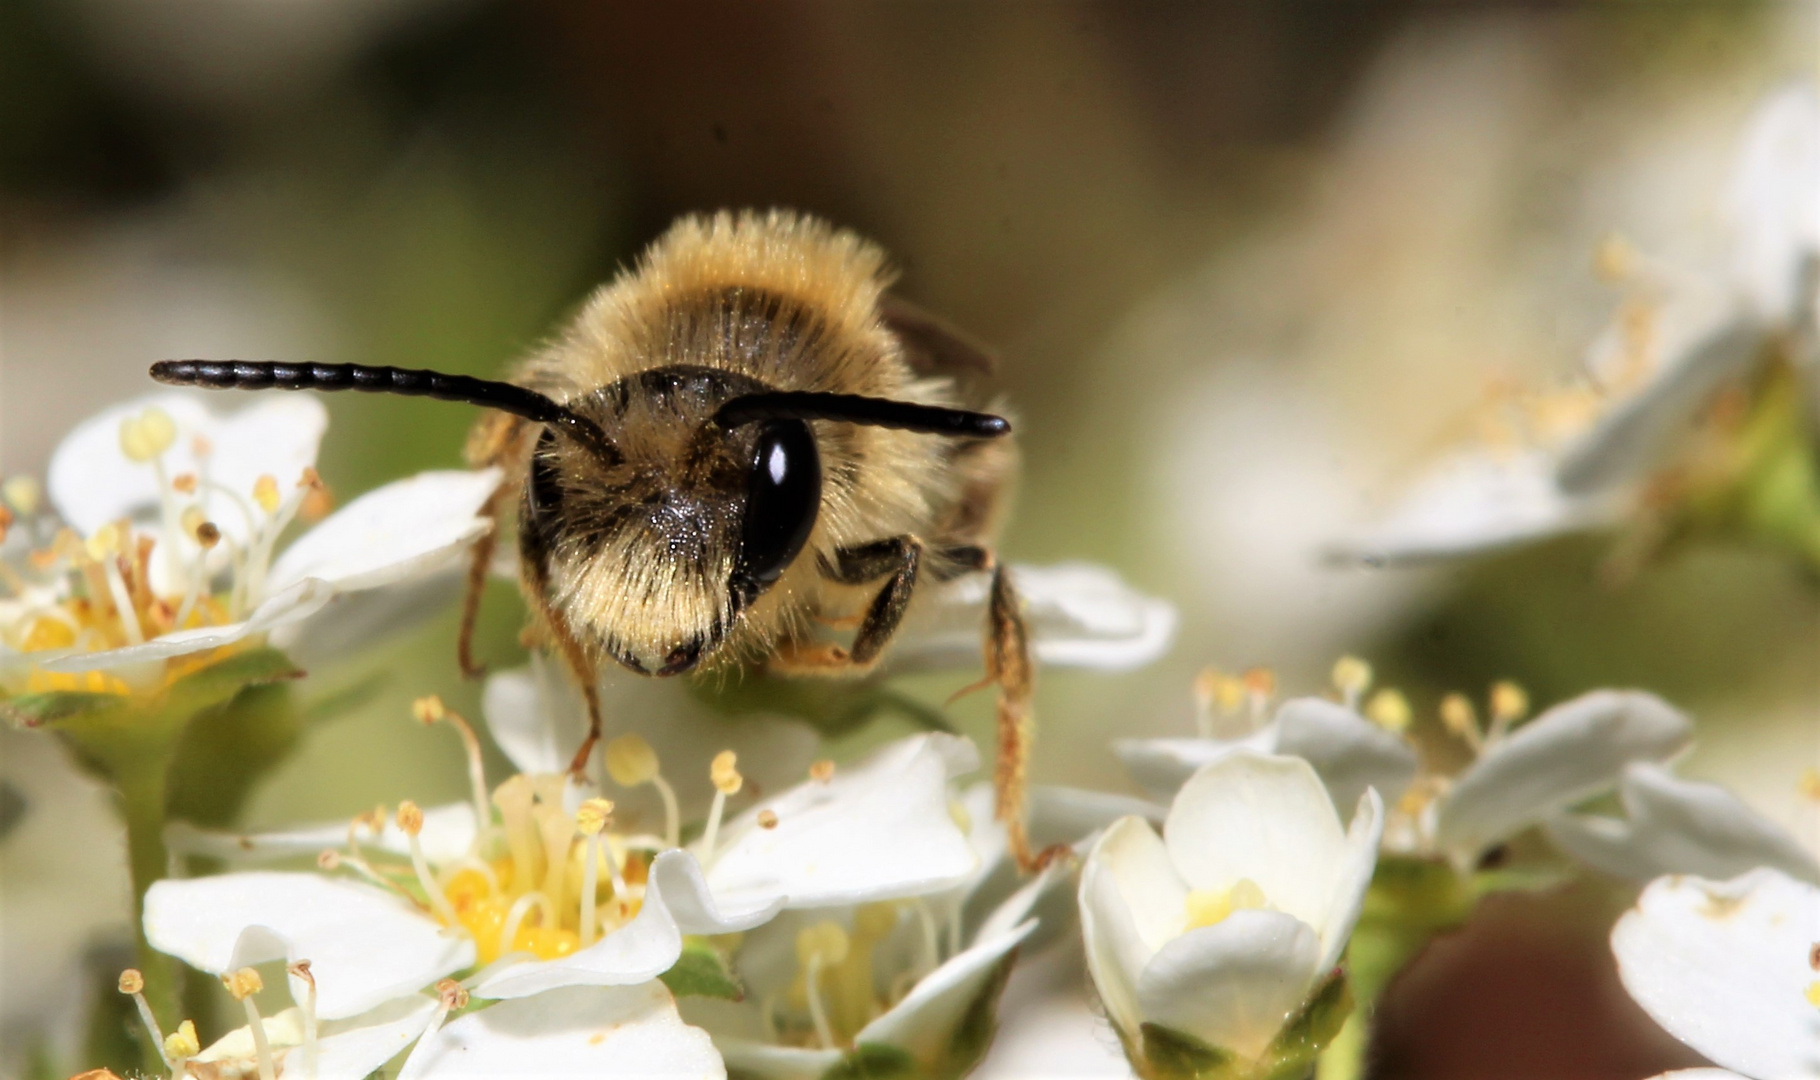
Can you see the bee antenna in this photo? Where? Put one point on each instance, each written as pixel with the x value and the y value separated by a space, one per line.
pixel 858 409
pixel 373 379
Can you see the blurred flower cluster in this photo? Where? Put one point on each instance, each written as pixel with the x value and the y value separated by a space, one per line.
pixel 769 899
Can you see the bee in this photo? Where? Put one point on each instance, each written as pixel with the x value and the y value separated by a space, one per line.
pixel 737 446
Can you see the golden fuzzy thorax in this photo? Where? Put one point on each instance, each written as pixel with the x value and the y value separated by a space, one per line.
pixel 773 301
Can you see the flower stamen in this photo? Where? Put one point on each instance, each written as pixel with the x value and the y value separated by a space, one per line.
pixel 430 709
pixel 631 761
pixel 243 984
pixel 132 983
pixel 1460 719
pixel 823 944
pixel 724 772
pixel 301 971
pixel 410 822
pixel 591 818
pixel 1389 709
pixel 1351 677
pixel 179 1047
pixel 451 996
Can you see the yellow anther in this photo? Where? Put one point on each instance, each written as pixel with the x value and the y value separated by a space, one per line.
pixel 872 922
pixel 428 709
pixel 1259 682
pixel 724 772
pixel 1209 906
pixel 1351 676
pixel 452 995
pixel 1389 709
pixel 131 981
pixel 767 819
pixel 1614 259
pixel 1809 784
pixel 410 818
pixel 243 984
pixel 147 435
pixel 825 942
pixel 182 1044
pixel 1229 692
pixel 1813 994
pixel 822 771
pixel 328 859
pixel 6 521
pixel 265 493
pixel 1509 702
pixel 593 815
pixel 104 543
pixel 184 483
pixel 1460 718
pixel 311 479
pixel 1207 689
pixel 23 494
pixel 199 527
pixel 631 761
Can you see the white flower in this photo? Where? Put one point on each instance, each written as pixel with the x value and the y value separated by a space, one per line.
pixel 1570 753
pixel 1349 752
pixel 885 980
pixel 174 500
pixel 631 1031
pixel 1676 826
pixel 1726 967
pixel 349 1049
pixel 1222 929
pixel 1582 458
pixel 1079 615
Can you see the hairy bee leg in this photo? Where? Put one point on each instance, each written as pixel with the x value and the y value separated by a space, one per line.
pixel 494 439
pixel 581 665
pixel 1007 649
pixel 481 560
pixel 899 556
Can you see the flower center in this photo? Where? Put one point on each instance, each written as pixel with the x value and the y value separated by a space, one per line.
pixel 1207 907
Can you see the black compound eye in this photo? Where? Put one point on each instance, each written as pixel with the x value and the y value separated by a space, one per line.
pixel 783 495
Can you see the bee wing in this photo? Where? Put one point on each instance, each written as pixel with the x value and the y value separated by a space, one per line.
pixel 935 348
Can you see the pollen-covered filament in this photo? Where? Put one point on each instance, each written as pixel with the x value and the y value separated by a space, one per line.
pixel 1208 907
pixel 540 895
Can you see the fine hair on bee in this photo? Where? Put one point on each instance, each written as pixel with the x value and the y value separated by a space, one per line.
pixel 735 448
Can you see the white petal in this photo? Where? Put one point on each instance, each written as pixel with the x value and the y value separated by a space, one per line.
pixel 1702 346
pixel 447 835
pixel 591 1032
pixel 694 906
pixel 1774 202
pixel 1262 817
pixel 354 1048
pixel 1127 913
pixel 767 1061
pixel 877 830
pixel 1724 968
pixel 1474 501
pixel 1233 984
pixel 365 946
pixel 1352 877
pixel 1571 752
pixel 301 600
pixel 1078 614
pixel 1162 766
pixel 351 622
pixel 406 529
pixel 1678 826
pixel 1348 752
pixel 928 1019
pixel 91 482
pixel 642 949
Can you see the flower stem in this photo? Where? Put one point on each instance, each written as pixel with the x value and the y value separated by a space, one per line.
pixel 142 795
pixel 1344 1058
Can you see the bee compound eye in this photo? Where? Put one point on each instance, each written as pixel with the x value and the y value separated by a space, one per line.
pixel 783 496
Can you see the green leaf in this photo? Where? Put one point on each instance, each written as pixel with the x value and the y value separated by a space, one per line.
pixel 1175 1055
pixel 702 971
pixel 875 1061
pixel 38 710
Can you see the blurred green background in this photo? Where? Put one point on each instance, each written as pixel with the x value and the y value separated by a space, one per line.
pixel 1247 264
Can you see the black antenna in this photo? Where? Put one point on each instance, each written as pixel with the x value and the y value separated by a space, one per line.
pixel 857 409
pixel 409 382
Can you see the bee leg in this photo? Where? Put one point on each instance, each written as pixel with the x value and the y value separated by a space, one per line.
pixel 581 665
pixel 899 556
pixel 481 558
pixel 1008 664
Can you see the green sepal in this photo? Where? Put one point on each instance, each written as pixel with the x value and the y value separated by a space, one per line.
pixel 1173 1055
pixel 702 971
pixel 38 710
pixel 875 1061
pixel 979 1025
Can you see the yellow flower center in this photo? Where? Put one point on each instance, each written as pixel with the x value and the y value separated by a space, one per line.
pixel 1207 907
